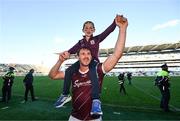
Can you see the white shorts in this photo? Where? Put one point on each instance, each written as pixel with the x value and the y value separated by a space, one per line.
pixel 72 118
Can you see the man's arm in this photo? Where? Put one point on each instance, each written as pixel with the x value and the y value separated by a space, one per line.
pixel 54 72
pixel 25 78
pixel 112 60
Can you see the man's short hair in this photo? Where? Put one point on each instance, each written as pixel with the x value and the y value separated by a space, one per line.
pixel 86 48
pixel 32 70
pixel 164 66
pixel 11 68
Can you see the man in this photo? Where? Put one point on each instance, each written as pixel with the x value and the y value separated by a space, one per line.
pixel 92 42
pixel 28 83
pixel 121 83
pixel 7 85
pixel 129 77
pixel 162 81
pixel 81 83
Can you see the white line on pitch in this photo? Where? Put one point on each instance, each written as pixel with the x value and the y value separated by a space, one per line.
pixel 3 108
pixel 155 97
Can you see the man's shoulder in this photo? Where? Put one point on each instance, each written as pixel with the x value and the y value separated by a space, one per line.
pixel 28 74
pixel 99 65
pixel 9 73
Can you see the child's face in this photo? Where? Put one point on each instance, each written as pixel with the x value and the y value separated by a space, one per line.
pixel 88 29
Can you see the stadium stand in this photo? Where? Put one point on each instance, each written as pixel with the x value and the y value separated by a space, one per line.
pixel 22 69
pixel 140 60
pixel 143 60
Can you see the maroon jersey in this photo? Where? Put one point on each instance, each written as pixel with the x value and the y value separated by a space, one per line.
pixel 81 93
pixel 93 42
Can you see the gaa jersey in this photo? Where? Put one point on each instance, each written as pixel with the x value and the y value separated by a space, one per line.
pixel 93 42
pixel 81 93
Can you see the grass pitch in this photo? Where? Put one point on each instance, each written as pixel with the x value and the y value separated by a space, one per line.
pixel 140 103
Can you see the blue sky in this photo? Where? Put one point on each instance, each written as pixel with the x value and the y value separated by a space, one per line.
pixel 32 30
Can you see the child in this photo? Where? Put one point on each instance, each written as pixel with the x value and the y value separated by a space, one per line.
pixel 92 42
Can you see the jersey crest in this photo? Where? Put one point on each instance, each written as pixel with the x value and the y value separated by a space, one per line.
pixel 92 42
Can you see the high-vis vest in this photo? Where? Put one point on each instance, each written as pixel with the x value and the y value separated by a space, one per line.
pixel 162 78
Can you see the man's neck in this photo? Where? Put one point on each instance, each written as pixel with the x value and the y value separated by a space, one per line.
pixel 83 69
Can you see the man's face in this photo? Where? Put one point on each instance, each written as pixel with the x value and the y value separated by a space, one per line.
pixel 165 68
pixel 85 57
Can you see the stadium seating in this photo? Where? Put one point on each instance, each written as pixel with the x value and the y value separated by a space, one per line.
pixel 140 60
pixel 143 60
pixel 22 69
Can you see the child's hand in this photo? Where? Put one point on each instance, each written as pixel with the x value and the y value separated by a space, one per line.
pixel 65 55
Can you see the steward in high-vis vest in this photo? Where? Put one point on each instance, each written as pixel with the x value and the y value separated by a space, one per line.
pixel 162 81
pixel 7 85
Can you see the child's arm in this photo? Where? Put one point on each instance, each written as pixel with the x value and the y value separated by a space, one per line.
pixel 105 33
pixel 75 48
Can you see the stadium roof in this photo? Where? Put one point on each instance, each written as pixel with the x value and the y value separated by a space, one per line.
pixel 147 48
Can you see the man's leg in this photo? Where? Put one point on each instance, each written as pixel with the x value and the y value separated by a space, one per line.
pixel 120 88
pixel 96 103
pixel 32 93
pixel 3 94
pixel 26 93
pixel 65 97
pixel 8 93
pixel 124 90
pixel 129 81
pixel 161 102
pixel 166 100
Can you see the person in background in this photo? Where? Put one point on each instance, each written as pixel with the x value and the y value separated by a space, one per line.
pixel 7 85
pixel 162 82
pixel 121 83
pixel 28 83
pixel 129 77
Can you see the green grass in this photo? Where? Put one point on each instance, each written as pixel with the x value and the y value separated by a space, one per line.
pixel 140 103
